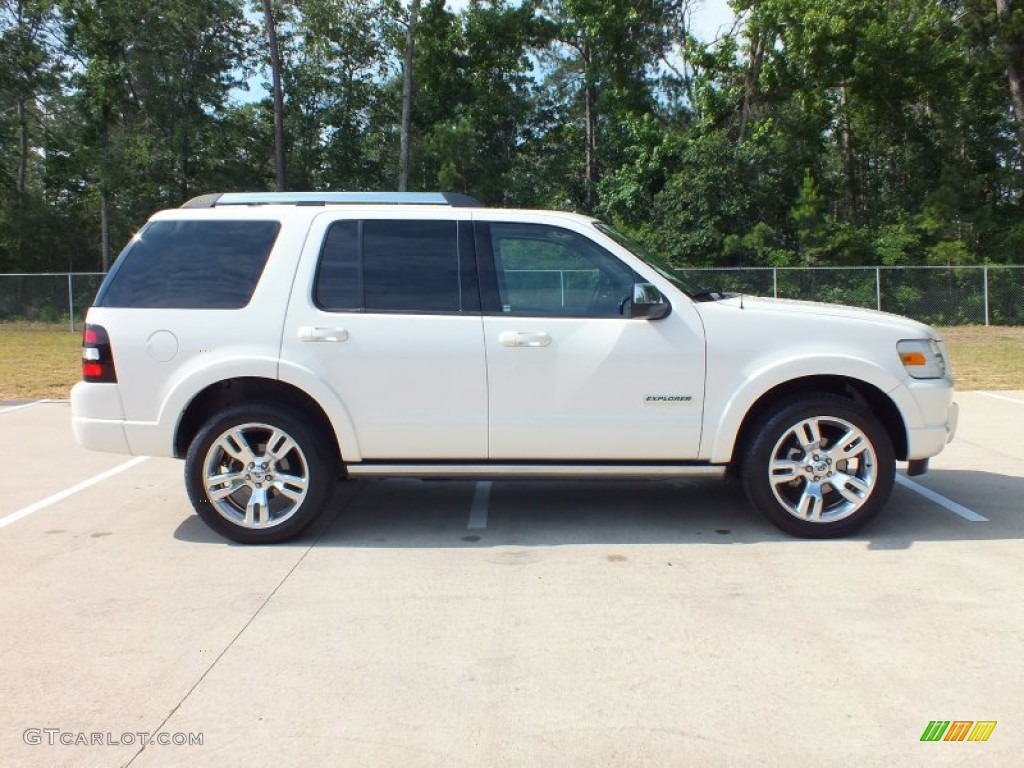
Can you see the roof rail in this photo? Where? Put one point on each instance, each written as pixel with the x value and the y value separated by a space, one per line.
pixel 218 199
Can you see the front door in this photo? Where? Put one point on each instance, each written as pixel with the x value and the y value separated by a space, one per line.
pixel 571 378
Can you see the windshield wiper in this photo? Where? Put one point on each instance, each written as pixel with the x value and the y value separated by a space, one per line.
pixel 708 294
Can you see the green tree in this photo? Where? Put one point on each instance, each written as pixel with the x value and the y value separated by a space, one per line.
pixel 334 52
pixel 30 74
pixel 474 94
pixel 604 53
pixel 151 78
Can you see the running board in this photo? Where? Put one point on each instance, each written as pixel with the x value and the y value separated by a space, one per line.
pixel 536 471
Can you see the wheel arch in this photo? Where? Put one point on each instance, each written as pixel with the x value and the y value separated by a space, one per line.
pixel 227 392
pixel 857 390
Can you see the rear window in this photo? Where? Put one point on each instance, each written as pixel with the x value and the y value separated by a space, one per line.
pixel 191 265
pixel 411 266
pixel 390 266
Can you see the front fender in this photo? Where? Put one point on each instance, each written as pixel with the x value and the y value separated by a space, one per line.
pixel 753 384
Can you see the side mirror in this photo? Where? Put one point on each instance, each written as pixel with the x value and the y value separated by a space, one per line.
pixel 648 302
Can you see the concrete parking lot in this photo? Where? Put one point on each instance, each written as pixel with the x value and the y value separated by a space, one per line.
pixel 507 624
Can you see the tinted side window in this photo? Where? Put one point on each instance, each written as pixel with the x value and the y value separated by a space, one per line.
pixel 544 270
pixel 411 266
pixel 191 265
pixel 337 279
pixel 390 266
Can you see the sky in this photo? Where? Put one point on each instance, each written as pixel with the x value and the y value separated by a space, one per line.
pixel 710 17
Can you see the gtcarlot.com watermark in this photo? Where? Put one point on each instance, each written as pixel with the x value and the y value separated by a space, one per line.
pixel 58 736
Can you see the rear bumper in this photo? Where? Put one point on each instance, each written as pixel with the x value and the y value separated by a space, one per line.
pixel 97 417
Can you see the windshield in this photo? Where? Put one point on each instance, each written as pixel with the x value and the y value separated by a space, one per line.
pixel 692 290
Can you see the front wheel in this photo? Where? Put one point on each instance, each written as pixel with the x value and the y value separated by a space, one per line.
pixel 819 467
pixel 257 473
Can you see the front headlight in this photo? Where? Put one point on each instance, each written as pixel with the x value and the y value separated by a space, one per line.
pixel 922 358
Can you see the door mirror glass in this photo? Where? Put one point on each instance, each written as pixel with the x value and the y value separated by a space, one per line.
pixel 648 302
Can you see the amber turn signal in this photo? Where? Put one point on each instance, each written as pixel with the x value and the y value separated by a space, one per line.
pixel 913 358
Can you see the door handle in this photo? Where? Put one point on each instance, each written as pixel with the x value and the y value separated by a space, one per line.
pixel 309 333
pixel 517 339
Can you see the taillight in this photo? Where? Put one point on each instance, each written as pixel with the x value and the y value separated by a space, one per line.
pixel 97 359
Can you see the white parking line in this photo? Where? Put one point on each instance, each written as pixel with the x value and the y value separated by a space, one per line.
pixel 478 512
pixel 11 409
pixel 14 408
pixel 942 501
pixel 1001 397
pixel 26 511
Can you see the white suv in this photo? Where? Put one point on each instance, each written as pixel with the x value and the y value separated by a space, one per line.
pixel 279 341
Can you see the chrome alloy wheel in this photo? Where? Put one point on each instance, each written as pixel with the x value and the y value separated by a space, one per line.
pixel 255 475
pixel 822 469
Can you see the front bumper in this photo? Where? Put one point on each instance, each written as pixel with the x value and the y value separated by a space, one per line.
pixel 929 440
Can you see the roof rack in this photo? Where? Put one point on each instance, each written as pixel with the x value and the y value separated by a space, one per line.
pixel 332 198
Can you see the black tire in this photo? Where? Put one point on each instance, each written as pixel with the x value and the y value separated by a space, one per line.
pixel 305 461
pixel 787 491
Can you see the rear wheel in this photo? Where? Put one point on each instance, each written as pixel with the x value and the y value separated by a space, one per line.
pixel 819 467
pixel 258 473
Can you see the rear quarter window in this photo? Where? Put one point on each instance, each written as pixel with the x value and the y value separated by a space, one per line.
pixel 190 265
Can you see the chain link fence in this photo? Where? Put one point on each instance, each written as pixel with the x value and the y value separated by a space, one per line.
pixel 50 298
pixel 992 295
pixel 936 295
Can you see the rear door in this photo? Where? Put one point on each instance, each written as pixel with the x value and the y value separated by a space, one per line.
pixel 386 309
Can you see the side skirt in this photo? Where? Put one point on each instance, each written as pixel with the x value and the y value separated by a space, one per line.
pixel 533 470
